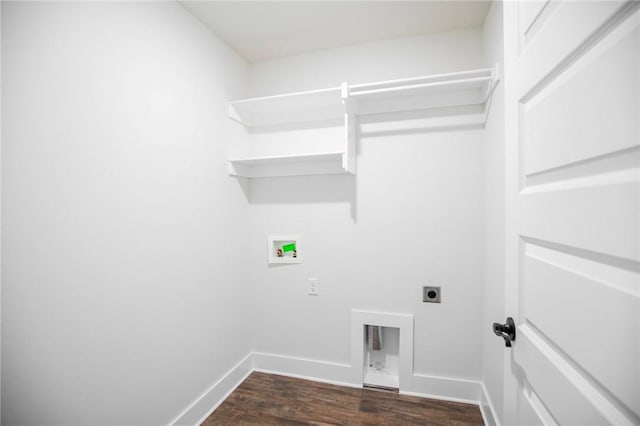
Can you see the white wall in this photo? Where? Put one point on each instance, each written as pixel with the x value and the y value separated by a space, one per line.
pixel 126 293
pixel 369 62
pixel 494 219
pixel 124 286
pixel 411 217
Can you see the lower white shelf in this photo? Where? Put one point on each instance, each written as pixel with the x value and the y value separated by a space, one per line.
pixel 289 165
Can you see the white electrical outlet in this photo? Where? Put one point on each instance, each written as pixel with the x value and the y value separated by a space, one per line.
pixel 313 286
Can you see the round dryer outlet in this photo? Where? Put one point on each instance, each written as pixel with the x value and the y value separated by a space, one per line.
pixel 431 294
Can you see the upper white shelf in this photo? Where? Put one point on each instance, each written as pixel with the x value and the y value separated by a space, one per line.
pixel 445 92
pixel 434 91
pixel 301 107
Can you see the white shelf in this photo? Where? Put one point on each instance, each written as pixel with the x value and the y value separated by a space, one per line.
pixel 443 92
pixel 466 88
pixel 300 107
pixel 289 165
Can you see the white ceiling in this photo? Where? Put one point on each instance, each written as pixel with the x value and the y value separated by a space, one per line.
pixel 262 30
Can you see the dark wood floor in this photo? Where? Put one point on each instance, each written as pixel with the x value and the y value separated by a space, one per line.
pixel 268 399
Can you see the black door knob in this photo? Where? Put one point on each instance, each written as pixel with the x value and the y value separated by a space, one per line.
pixel 506 331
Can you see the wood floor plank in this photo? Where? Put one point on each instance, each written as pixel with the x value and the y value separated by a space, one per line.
pixel 269 399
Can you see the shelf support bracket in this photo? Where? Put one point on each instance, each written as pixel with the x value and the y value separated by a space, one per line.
pixel 496 75
pixel 349 158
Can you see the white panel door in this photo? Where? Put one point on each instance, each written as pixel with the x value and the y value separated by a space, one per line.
pixel 572 73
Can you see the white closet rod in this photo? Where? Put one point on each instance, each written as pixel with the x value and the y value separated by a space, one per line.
pixel 286 96
pixel 418 86
pixel 428 78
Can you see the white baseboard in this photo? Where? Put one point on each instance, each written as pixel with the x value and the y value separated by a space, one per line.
pixel 304 368
pixel 443 388
pixel 204 405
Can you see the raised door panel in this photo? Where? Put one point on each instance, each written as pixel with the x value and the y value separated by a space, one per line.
pixel 594 103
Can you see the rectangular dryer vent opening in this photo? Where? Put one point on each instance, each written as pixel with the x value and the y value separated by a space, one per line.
pixel 381 357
